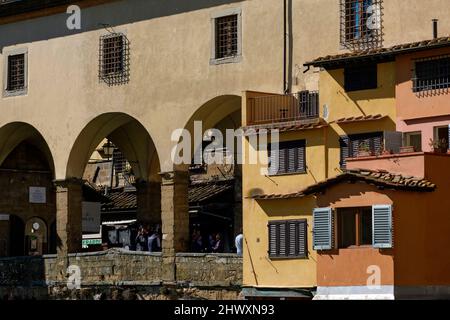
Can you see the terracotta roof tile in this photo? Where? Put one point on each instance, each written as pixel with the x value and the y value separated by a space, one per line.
pixel 359 119
pixel 284 127
pixel 381 52
pixel 379 178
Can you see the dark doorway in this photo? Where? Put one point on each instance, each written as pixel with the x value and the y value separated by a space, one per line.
pixel 16 236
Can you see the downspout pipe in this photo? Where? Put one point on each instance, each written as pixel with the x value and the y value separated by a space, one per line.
pixel 285 88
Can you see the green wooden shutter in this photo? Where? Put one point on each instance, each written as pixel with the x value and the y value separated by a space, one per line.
pixel 323 229
pixel 382 226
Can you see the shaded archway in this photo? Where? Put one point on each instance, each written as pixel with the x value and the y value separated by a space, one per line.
pixel 26 180
pixel 132 141
pixel 208 195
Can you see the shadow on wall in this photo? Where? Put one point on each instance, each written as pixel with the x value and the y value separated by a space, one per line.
pixel 94 18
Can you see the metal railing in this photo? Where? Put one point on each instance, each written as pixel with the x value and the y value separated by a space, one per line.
pixel 303 105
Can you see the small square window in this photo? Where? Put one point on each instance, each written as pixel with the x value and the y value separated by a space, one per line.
pixel 413 139
pixel 361 24
pixel 16 72
pixel 363 77
pixel 114 59
pixel 288 239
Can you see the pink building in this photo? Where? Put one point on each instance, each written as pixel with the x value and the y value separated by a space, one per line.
pixel 423 95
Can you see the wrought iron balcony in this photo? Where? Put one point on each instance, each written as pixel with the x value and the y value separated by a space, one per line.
pixel 270 109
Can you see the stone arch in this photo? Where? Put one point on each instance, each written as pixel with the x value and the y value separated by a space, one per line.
pixel 127 133
pixel 14 133
pixel 26 164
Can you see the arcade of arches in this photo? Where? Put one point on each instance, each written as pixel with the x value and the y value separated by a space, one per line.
pixel 40 214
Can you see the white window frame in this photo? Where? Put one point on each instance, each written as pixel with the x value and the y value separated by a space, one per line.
pixel 224 13
pixel 6 55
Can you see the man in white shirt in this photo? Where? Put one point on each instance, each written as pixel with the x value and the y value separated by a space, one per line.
pixel 239 243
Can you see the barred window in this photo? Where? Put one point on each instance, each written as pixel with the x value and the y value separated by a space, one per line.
pixel 361 24
pixel 288 239
pixel 226 36
pixel 114 59
pixel 432 74
pixel 16 72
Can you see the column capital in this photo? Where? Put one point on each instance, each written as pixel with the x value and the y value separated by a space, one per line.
pixel 171 177
pixel 64 183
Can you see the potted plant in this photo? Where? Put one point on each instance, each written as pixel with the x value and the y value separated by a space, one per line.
pixel 364 150
pixel 439 145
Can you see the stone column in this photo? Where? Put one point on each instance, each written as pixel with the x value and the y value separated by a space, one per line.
pixel 175 219
pixel 69 196
pixel 148 202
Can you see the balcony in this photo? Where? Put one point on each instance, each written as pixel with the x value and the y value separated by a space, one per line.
pixel 301 107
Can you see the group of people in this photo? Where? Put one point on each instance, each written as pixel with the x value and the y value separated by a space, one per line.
pixel 214 242
pixel 148 239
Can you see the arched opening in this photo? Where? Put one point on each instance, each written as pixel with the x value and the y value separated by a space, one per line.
pixel 117 161
pixel 26 180
pixel 215 197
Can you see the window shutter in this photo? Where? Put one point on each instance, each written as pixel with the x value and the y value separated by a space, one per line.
pixel 273 239
pixel 292 156
pixel 282 241
pixel 382 226
pixel 292 237
pixel 344 142
pixel 302 243
pixel 323 229
pixel 274 164
pixel 301 157
pixel 393 140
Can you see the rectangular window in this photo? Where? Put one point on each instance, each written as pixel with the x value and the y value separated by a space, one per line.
pixel 288 239
pixel 114 59
pixel 309 104
pixel 16 72
pixel 361 24
pixel 227 36
pixel 359 145
pixel 354 227
pixel 362 77
pixel 289 158
pixel 441 138
pixel 432 74
pixel 413 139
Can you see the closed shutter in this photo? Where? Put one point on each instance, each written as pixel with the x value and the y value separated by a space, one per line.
pixel 288 239
pixel 274 164
pixel 393 140
pixel 323 229
pixel 373 140
pixel 290 158
pixel 344 142
pixel 448 141
pixel 273 239
pixel 382 226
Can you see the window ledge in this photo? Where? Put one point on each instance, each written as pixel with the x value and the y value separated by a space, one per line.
pixel 15 93
pixel 234 59
pixel 274 258
pixel 287 174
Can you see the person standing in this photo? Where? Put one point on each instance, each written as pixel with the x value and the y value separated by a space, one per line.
pixel 239 243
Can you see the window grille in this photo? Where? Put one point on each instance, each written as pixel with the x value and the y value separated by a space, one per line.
pixel 16 72
pixel 226 36
pixel 114 59
pixel 432 75
pixel 361 24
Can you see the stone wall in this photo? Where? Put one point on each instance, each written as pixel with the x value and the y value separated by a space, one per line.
pixel 120 274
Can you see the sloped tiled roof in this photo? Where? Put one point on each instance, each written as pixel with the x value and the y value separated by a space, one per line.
pixel 379 178
pixel 120 200
pixel 284 127
pixel 381 53
pixel 359 119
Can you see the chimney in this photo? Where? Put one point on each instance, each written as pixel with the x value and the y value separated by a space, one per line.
pixel 435 28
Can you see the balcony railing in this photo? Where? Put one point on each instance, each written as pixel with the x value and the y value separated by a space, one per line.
pixel 303 105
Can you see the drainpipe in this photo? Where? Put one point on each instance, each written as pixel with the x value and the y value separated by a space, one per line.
pixel 285 88
pixel 435 28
